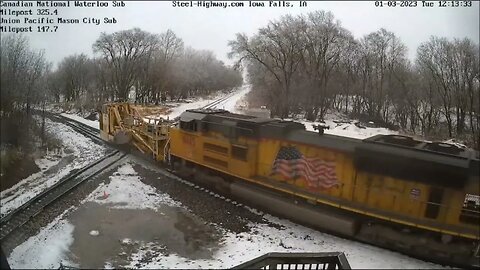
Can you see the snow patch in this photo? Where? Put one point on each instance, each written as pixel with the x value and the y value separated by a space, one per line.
pixel 83 149
pixel 288 237
pixel 180 108
pixel 127 241
pixel 49 160
pixel 455 143
pixel 351 129
pixel 232 104
pixel 91 123
pixel 127 191
pixel 47 249
pixel 108 265
pixel 126 170
pixel 94 233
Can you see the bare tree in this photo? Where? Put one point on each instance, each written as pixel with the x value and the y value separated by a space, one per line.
pixel 310 64
pixel 105 84
pixel 200 73
pixel 424 100
pixel 22 70
pixel 278 47
pixel 76 73
pixel 157 68
pixel 452 69
pixel 171 47
pixel 22 84
pixel 434 57
pixel 325 43
pixel 465 71
pixel 14 65
pixel 124 51
pixel 34 83
pixel 382 53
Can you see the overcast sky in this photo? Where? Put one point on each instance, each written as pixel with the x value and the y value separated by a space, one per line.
pixel 212 28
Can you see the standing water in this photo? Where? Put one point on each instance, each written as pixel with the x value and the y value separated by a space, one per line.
pixel 103 234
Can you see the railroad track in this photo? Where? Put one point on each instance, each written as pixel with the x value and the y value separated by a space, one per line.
pixel 14 221
pixel 80 127
pixel 17 218
pixel 218 101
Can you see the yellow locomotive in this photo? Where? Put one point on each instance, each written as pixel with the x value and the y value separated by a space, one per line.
pixel 421 198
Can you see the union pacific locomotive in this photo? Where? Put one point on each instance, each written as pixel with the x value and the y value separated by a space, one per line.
pixel 417 197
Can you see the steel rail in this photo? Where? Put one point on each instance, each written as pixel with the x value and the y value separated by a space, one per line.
pixel 80 127
pixel 20 216
pixel 218 101
pixel 35 206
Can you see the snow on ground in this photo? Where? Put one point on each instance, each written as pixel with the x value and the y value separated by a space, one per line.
pixel 239 248
pixel 29 187
pixel 232 103
pixel 47 249
pixel 50 246
pixel 235 104
pixel 127 191
pixel 340 125
pixel 176 111
pixel 236 101
pixel 179 107
pixel 348 129
pixel 77 151
pixel 91 123
pixel 455 143
pixel 202 102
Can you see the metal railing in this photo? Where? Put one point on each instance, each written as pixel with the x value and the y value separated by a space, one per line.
pixel 277 260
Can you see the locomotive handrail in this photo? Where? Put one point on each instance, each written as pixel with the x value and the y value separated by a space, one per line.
pixel 234 127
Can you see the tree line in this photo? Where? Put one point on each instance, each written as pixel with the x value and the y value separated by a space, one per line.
pixel 303 65
pixel 155 67
pixel 310 65
pixel 23 72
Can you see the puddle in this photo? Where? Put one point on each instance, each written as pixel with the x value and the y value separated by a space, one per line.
pixel 104 234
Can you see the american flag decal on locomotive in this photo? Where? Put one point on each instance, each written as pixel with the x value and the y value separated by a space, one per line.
pixel 291 163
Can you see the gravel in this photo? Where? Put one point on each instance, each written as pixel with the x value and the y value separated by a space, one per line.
pixel 49 213
pixel 202 202
pixel 211 207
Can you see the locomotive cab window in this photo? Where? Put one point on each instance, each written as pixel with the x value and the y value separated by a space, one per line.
pixel 239 152
pixel 434 202
pixel 188 126
pixel 471 210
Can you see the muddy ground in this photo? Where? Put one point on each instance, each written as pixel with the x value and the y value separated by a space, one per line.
pixel 22 141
